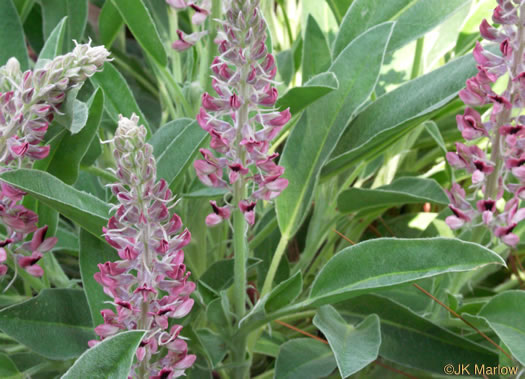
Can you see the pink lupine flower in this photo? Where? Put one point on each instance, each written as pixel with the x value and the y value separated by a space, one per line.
pixel 219 214
pixel 470 125
pixel 3 258
pixel 186 41
pixel 149 285
pixel 240 118
pixel 201 10
pixel 504 171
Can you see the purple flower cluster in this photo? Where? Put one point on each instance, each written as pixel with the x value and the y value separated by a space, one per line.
pixel 28 102
pixel 241 120
pixel 149 285
pixel 202 9
pixel 502 174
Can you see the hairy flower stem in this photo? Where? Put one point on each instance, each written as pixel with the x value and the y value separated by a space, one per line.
pixel 504 117
pixel 240 234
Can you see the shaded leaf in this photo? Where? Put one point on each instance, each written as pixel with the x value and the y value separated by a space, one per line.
pixel 118 97
pixel 298 98
pixel 77 13
pixel 354 347
pixel 54 44
pixel 504 314
pixel 304 358
pixel 139 21
pixel 284 293
pixel 175 146
pixel 317 56
pixel 409 190
pixel 413 341
pixel 109 23
pixel 73 147
pixel 92 252
pixel 12 36
pixel 56 324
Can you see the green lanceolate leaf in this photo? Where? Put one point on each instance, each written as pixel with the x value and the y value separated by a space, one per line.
pixel 139 21
pixel 54 44
pixel 304 358
pixel 312 140
pixel 354 347
pixel 339 8
pixel 12 36
pixel 86 210
pixel 8 369
pixel 413 19
pixel 401 191
pixel 504 314
pixel 56 324
pixel 317 56
pixel 413 341
pixel 175 146
pixel 117 94
pixel 77 13
pixel 298 98
pixel 109 23
pixel 110 359
pixel 398 112
pixel 219 276
pixel 92 252
pixel 285 293
pixel 73 147
pixel 385 262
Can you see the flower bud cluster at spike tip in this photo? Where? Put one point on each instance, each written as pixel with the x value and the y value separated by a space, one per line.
pixel 201 11
pixel 149 285
pixel 28 102
pixel 240 119
pixel 501 173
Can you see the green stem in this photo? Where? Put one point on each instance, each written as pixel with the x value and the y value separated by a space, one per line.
pixel 286 22
pixel 279 252
pixel 211 47
pixel 100 173
pixel 175 55
pixel 240 231
pixel 139 77
pixel 418 59
pixel 175 91
pixel 239 289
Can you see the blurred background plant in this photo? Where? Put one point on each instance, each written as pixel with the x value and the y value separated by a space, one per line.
pixel 372 88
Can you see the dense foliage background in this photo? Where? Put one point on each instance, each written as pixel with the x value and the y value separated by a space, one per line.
pixel 369 279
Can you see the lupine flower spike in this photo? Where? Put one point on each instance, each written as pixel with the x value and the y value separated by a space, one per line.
pixel 149 285
pixel 499 175
pixel 240 119
pixel 28 102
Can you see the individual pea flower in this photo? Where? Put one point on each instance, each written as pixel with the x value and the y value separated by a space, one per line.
pixel 241 119
pixel 149 284
pixel 499 175
pixel 28 102
pixel 201 9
